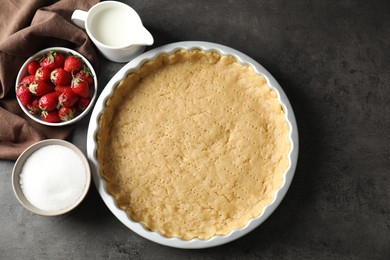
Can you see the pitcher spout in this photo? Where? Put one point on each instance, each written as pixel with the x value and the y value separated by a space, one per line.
pixel 143 37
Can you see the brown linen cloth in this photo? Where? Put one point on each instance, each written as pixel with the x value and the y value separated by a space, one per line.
pixel 27 27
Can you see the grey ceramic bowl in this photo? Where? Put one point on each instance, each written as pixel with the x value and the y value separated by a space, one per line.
pixel 18 169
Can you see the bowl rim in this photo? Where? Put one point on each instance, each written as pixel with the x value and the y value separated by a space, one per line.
pixel 156 236
pixel 23 71
pixel 19 165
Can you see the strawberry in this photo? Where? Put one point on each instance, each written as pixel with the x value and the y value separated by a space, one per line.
pixel 49 101
pixel 23 93
pixel 52 60
pixel 60 89
pixel 86 75
pixel 68 98
pixel 60 76
pixel 83 103
pixel 33 107
pixel 43 74
pixel 32 67
pixel 73 63
pixel 51 116
pixel 67 113
pixel 40 88
pixel 80 87
pixel 28 79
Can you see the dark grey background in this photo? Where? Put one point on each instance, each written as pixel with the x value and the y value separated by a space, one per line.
pixel 332 59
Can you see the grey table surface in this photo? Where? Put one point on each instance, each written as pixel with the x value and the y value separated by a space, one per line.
pixel 332 60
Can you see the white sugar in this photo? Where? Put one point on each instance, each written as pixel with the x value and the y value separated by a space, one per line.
pixel 53 178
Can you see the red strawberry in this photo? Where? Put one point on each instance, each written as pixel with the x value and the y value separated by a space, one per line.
pixel 53 60
pixel 33 107
pixel 51 116
pixel 49 101
pixel 80 87
pixel 60 89
pixel 67 113
pixel 60 76
pixel 28 79
pixel 86 75
pixel 32 67
pixel 23 93
pixel 40 88
pixel 68 98
pixel 43 74
pixel 73 63
pixel 83 103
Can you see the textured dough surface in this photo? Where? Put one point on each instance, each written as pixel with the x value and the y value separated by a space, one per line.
pixel 193 144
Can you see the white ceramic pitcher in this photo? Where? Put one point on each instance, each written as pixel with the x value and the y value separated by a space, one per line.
pixel 116 29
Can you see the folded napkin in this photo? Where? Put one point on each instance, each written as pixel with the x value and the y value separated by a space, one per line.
pixel 27 27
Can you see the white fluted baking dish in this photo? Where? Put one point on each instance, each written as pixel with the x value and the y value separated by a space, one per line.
pixel 155 236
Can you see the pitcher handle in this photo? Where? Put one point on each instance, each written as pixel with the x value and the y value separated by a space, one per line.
pixel 79 18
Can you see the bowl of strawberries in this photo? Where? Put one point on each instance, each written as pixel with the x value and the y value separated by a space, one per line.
pixel 56 86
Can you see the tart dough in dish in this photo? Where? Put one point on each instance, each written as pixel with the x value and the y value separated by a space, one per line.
pixel 193 144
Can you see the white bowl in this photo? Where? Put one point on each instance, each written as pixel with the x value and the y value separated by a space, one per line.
pixel 155 236
pixel 23 72
pixel 19 166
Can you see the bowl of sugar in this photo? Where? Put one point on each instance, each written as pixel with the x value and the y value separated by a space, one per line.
pixel 51 177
